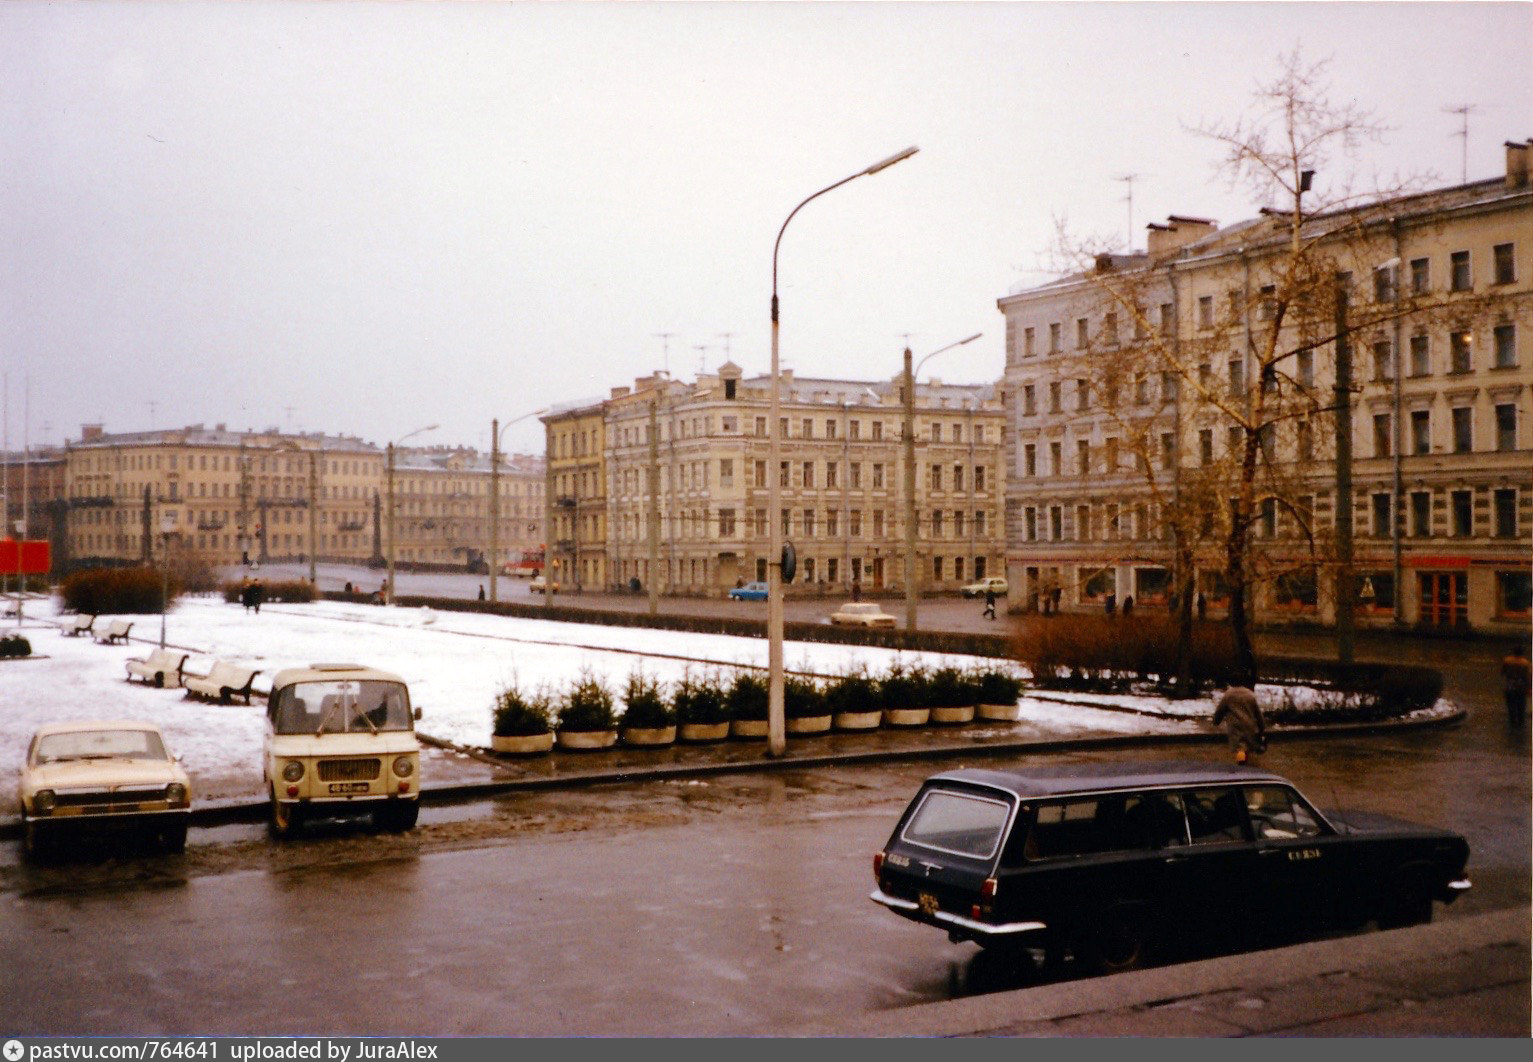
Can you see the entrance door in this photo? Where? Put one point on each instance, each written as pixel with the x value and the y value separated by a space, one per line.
pixel 878 572
pixel 1444 599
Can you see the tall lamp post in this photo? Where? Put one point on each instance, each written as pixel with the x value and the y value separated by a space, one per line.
pixel 167 528
pixel 495 429
pixel 777 743
pixel 910 475
pixel 396 442
pixel 314 456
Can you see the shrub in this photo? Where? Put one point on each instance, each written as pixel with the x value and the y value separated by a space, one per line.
pixel 518 714
pixel 853 691
pixel 700 700
pixel 96 591
pixel 998 687
pixel 15 645
pixel 802 698
pixel 1109 652
pixel 747 697
pixel 299 591
pixel 645 703
pixel 948 689
pixel 587 706
pixel 899 688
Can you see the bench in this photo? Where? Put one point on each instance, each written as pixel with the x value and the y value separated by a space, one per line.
pixel 81 624
pixel 222 683
pixel 116 631
pixel 161 668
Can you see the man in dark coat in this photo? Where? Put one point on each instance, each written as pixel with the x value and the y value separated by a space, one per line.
pixel 1243 724
pixel 990 602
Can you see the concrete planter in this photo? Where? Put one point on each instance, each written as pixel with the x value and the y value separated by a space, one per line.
pixel 649 735
pixel 1000 713
pixel 858 720
pixel 587 739
pixel 907 716
pixel 699 732
pixel 809 724
pixel 523 744
pixel 952 716
pixel 748 729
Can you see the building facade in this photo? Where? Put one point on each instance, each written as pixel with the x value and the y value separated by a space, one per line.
pixel 442 508
pixel 1102 440
pixel 687 490
pixel 576 490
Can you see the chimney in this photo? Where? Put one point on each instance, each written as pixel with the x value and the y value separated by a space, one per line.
pixel 90 432
pixel 620 392
pixel 1517 164
pixel 1178 231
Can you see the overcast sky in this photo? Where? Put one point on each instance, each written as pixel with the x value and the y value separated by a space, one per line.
pixel 370 217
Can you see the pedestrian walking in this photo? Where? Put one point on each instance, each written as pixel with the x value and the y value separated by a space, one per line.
pixel 1112 604
pixel 1128 605
pixel 245 593
pixel 481 591
pixel 1516 680
pixel 1202 606
pixel 257 592
pixel 989 602
pixel 1243 724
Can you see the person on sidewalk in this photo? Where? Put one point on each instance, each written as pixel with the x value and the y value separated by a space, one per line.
pixel 1516 680
pixel 1243 724
pixel 989 602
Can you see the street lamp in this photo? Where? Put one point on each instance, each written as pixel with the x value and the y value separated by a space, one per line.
pixel 167 528
pixel 389 595
pixel 314 456
pixel 910 475
pixel 495 429
pixel 776 734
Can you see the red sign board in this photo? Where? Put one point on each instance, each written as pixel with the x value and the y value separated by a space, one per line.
pixel 32 558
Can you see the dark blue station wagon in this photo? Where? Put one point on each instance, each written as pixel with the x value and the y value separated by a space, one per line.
pixel 1117 862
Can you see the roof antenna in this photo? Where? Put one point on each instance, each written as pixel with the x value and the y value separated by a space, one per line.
pixel 702 358
pixel 726 337
pixel 665 340
pixel 1129 179
pixel 1463 110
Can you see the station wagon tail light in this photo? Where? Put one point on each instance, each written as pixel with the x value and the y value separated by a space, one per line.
pixel 404 787
pixel 987 890
pixel 878 864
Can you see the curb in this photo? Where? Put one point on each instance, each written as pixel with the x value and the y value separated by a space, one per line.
pixel 245 811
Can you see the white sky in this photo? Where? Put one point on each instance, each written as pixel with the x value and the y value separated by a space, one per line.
pixel 368 217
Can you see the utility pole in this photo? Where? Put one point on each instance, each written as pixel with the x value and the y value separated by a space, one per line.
pixel 494 505
pixel 1345 591
pixel 1463 110
pixel 654 504
pixel 909 389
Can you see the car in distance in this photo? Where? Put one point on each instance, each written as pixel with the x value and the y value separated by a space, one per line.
pixel 539 585
pixel 994 584
pixel 749 592
pixel 1114 863
pixel 97 776
pixel 340 740
pixel 861 614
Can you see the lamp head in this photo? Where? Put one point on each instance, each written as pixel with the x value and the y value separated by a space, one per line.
pixel 890 161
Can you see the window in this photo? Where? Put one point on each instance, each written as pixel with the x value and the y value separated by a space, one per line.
pixel 1027 342
pixel 937 569
pixel 1307 368
pixel 1083 523
pixel 1167 319
pixel 782 427
pixel 1459 276
pixel 832 474
pixel 1110 458
pixel 1421 514
pixel 1206 446
pixel 1505 264
pixel 832 528
pixel 726 523
pixel 1205 311
pixel 1381 435
pixel 726 472
pixel 1054 338
pixel 1056 523
pixel 1235 440
pixel 1142 390
pixel 1458 350
pixel 1463 429
pixel 1506 345
pixel 1054 389
pixel 761 427
pixel 1462 508
pixel 878 475
pixel 878 430
pixel 1269 518
pixel 761 479
pixel 958 477
pixel 830 429
pixel 809 474
pixel 1421 355
pixel 936 433
pixel 934 478
pixel 1384 284
pixel 1382 509
pixel 782 474
pixel 1506 427
pixel 1056 462
pixel 1167 450
pixel 1268 302
pixel 1421 431
pixel 1237 376
pixel 1506 513
pixel 1421 276
pixel 1383 360
pixel 1277 814
pixel 979 522
pixel 1514 594
pixel 806 428
pixel 1030 459
pixel 856 475
pixel 808 523
pixel 854 523
pixel 1082 396
pixel 1082 333
pixel 1083 457
pixel 1216 816
pixel 854 430
pixel 1029 400
pixel 1030 523
pixel 959 823
pixel 979 478
pixel 1110 329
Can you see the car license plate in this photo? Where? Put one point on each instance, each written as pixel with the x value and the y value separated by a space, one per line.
pixel 348 787
pixel 928 903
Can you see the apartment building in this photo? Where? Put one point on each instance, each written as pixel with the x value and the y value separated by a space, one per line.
pixel 575 456
pixel 688 486
pixel 1101 440
pixel 442 508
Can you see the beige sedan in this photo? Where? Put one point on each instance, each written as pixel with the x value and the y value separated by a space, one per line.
pixel 861 614
pixel 102 775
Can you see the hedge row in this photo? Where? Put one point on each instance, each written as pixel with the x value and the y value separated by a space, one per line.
pixel 299 591
pixel 97 591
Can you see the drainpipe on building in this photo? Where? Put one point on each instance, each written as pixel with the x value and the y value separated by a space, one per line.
pixel 1397 523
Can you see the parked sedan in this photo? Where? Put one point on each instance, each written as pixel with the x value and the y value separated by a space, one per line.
pixel 865 614
pixel 749 592
pixel 1116 862
pixel 89 776
pixel 994 585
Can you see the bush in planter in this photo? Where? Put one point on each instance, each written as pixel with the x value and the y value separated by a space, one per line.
pixel 747 696
pixel 802 698
pixel 700 700
pixel 998 687
pixel 853 692
pixel 587 706
pixel 645 703
pixel 518 714
pixel 899 689
pixel 947 688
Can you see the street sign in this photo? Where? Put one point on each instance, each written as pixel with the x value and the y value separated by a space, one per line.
pixel 34 557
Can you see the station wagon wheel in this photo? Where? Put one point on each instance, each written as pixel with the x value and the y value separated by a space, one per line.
pixel 1409 903
pixel 396 817
pixel 174 838
pixel 1117 942
pixel 34 843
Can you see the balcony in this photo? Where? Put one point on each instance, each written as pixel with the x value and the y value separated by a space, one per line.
pixel 565 501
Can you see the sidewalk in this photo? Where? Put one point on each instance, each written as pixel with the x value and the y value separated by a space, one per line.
pixel 1457 977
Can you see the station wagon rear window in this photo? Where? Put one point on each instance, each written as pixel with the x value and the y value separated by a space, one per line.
pixel 961 823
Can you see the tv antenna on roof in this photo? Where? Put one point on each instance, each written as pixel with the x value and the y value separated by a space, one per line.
pixel 665 349
pixel 702 358
pixel 1129 179
pixel 1463 110
pixel 726 337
